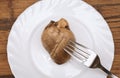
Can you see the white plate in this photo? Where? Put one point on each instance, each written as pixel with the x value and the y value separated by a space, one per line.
pixel 28 58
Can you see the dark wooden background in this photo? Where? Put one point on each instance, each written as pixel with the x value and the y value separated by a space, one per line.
pixel 10 9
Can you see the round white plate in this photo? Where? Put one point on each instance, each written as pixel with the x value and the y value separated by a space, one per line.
pixel 28 58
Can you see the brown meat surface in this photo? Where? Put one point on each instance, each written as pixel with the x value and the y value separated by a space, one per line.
pixel 55 37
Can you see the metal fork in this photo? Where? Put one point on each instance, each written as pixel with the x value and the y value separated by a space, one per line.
pixel 86 56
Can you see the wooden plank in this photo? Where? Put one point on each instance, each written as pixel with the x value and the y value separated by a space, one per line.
pixel 117 41
pixel 114 30
pixel 6 17
pixel 6 24
pixel 3 41
pixel 103 2
pixel 117 46
pixel 7 76
pixel 115 27
pixel 106 11
pixel 4 10
pixel 4 67
pixel 116 65
pixel 114 24
pixel 109 20
pixel 21 5
pixel 117 52
pixel 116 35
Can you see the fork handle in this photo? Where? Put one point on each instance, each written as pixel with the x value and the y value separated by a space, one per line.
pixel 110 75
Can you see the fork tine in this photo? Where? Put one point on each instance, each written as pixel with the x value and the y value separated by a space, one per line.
pixel 74 56
pixel 75 49
pixel 78 44
pixel 75 43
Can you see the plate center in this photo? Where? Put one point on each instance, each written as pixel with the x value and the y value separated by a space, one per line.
pixel 41 59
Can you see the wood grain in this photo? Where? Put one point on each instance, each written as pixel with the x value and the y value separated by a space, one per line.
pixel 103 2
pixel 20 5
pixel 3 41
pixel 4 65
pixel 11 9
pixel 4 9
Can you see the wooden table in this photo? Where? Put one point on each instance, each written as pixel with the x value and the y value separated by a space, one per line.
pixel 10 9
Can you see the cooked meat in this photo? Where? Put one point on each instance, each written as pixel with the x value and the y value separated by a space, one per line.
pixel 55 37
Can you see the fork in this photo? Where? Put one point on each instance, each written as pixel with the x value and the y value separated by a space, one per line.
pixel 86 56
